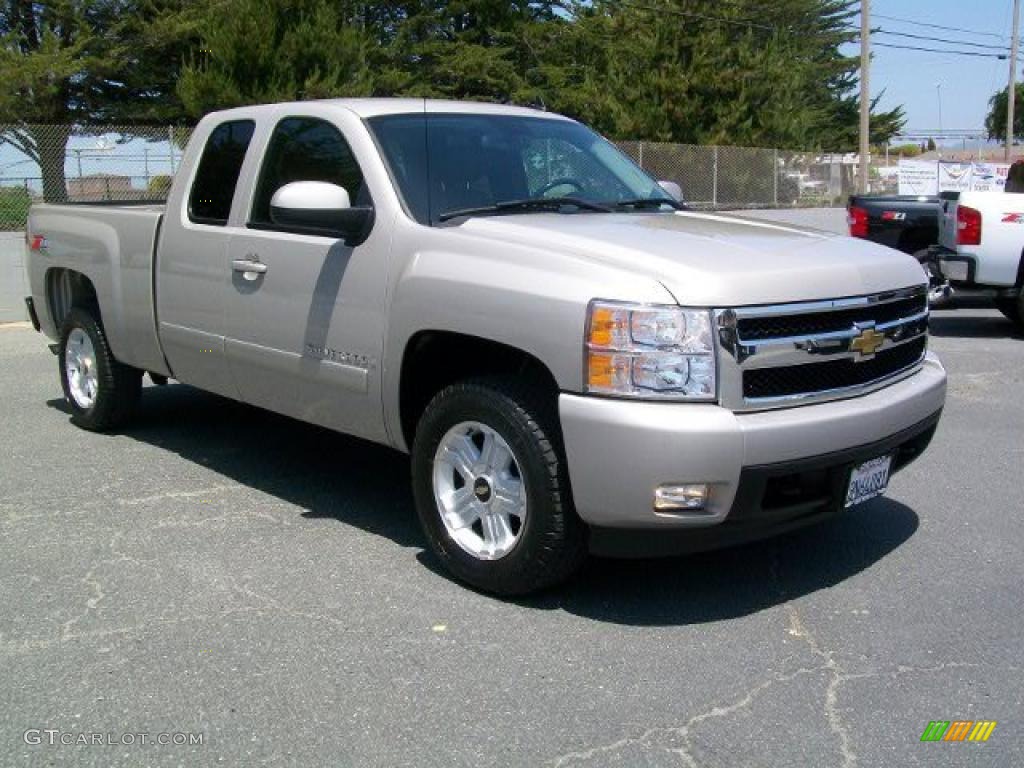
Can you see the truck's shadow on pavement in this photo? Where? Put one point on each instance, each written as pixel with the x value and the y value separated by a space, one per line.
pixel 364 485
pixel 965 323
pixel 728 583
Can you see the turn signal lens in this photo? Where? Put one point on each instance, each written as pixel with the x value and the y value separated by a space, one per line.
pixel 609 327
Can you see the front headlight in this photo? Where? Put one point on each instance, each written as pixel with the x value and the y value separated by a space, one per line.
pixel 651 351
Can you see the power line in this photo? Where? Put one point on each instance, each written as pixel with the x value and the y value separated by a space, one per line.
pixel 917 23
pixel 986 46
pixel 940 50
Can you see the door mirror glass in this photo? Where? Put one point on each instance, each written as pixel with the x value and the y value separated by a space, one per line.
pixel 319 208
pixel 673 189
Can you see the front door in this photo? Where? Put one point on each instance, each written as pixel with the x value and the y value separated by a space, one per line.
pixel 305 313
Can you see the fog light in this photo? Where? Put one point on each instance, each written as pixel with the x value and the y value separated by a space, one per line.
pixel 690 497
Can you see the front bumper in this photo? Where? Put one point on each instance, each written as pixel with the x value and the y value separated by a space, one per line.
pixel 619 451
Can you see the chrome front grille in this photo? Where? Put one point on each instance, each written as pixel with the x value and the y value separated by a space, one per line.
pixel 788 354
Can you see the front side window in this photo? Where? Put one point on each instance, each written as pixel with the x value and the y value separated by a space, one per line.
pixel 306 149
pixel 451 162
pixel 209 200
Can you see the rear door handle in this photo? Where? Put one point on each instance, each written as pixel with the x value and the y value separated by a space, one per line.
pixel 247 265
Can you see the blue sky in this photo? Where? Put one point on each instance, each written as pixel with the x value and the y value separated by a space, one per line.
pixel 909 77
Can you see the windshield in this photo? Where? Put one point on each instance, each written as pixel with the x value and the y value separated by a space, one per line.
pixel 444 163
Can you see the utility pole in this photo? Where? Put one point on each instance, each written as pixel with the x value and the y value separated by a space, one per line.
pixel 1011 92
pixel 865 97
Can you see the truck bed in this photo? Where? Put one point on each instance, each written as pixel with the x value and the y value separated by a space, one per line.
pixel 114 246
pixel 995 260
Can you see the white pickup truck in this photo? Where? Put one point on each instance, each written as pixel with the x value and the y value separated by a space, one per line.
pixel 574 363
pixel 981 246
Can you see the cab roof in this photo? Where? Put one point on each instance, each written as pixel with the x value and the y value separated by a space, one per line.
pixel 372 107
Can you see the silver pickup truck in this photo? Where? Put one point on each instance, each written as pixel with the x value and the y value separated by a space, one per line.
pixel 575 362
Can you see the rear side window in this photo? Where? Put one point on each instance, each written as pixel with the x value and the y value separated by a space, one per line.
pixel 306 149
pixel 209 201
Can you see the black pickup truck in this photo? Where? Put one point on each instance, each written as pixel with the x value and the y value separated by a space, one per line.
pixel 908 223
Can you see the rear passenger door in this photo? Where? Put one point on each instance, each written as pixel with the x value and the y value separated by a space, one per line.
pixel 305 331
pixel 192 273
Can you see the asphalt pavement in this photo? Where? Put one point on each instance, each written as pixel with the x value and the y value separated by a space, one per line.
pixel 261 586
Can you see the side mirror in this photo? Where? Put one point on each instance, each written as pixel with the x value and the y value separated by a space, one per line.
pixel 320 208
pixel 673 189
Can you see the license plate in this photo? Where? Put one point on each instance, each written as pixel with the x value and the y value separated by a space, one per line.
pixel 868 480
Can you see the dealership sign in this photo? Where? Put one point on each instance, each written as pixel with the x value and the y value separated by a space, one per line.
pixel 925 177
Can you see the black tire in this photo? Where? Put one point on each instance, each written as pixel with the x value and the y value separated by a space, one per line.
pixel 118 387
pixel 1013 308
pixel 551 545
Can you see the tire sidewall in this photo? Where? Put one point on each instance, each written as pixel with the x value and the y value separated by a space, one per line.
pixel 77 318
pixel 510 573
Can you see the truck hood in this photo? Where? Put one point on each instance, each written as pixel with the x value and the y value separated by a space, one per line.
pixel 712 260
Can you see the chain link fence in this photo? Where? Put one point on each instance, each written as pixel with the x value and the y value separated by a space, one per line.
pixel 729 178
pixel 93 163
pixel 84 163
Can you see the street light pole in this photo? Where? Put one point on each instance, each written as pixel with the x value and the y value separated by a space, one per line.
pixel 938 91
pixel 865 99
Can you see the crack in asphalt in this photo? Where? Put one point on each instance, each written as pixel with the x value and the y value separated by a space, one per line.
pixel 837 677
pixel 681 731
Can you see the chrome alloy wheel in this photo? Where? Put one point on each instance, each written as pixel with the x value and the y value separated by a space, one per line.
pixel 479 490
pixel 80 368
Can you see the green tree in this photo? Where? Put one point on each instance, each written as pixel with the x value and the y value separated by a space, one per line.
pixel 465 49
pixel 995 121
pixel 710 72
pixel 255 51
pixel 73 62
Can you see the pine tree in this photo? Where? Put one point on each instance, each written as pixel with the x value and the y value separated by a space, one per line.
pixel 86 61
pixel 256 51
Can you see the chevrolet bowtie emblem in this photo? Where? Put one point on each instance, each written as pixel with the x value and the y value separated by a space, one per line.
pixel 867 343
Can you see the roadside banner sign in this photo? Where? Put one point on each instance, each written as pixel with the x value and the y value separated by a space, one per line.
pixel 989 177
pixel 918 177
pixel 929 177
pixel 955 177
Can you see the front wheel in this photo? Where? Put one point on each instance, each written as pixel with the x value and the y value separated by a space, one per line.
pixel 101 392
pixel 492 490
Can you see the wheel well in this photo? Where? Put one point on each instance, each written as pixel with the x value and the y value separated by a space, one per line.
pixel 435 359
pixel 67 290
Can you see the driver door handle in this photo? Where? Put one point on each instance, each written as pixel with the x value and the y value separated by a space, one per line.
pixel 247 265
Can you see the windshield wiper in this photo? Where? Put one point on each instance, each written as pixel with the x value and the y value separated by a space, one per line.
pixel 649 202
pixel 526 205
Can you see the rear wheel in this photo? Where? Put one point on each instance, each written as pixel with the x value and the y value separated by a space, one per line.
pixel 101 392
pixel 492 490
pixel 1013 308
